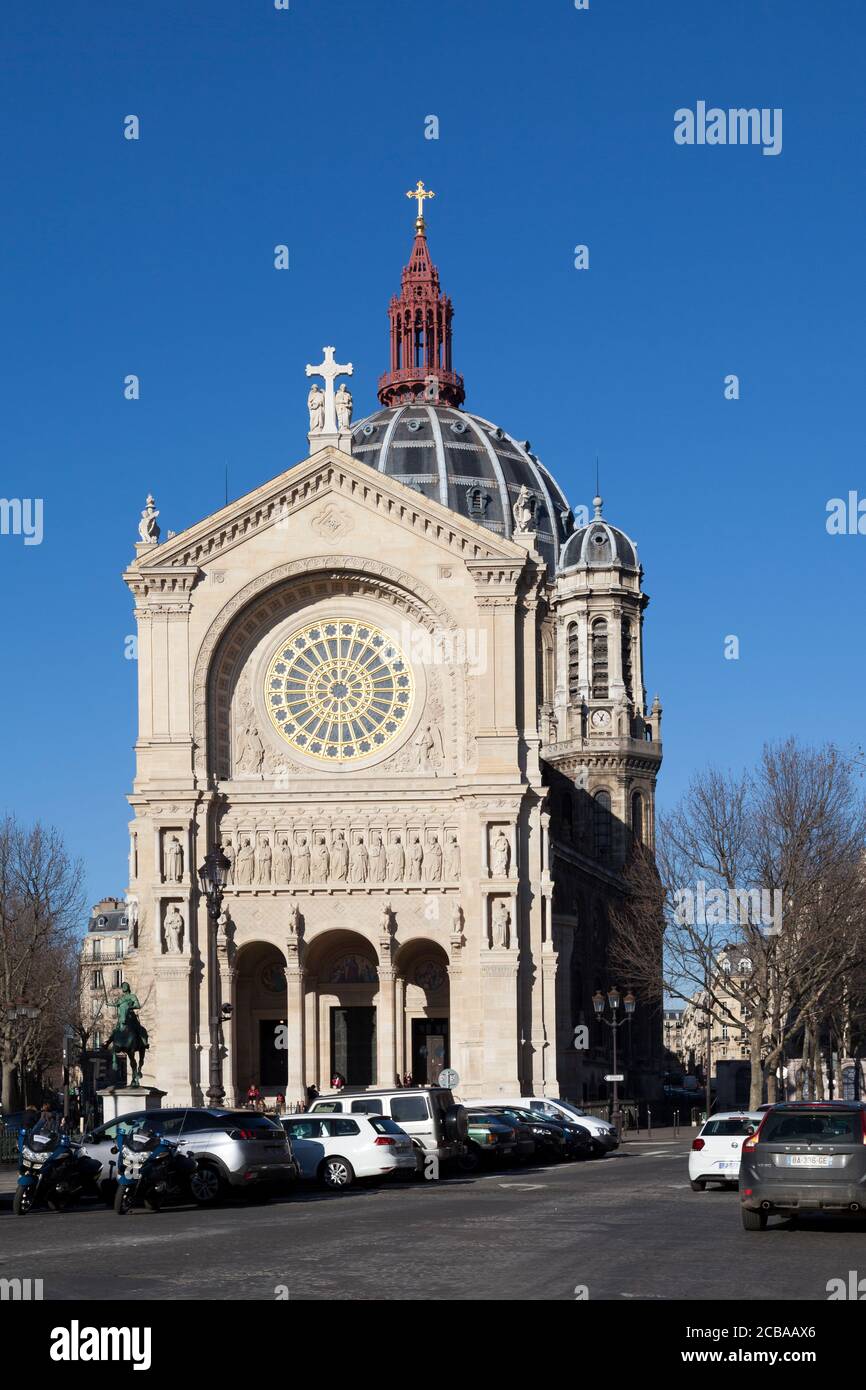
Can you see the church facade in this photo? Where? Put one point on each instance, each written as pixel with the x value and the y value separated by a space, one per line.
pixel 403 690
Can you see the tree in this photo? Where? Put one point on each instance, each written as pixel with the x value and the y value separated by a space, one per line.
pixel 768 864
pixel 41 905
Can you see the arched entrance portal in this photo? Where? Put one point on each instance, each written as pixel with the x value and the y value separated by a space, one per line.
pixel 260 1018
pixel 424 993
pixel 342 980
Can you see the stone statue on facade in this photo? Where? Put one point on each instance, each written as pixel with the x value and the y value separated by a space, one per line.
pixel 358 862
pixel 132 914
pixel 173 925
pixel 228 850
pixel 501 919
pixel 225 928
pixel 377 859
pixel 416 859
pixel 452 860
pixel 283 862
pixel 245 862
pixel 339 858
pixel 523 512
pixel 501 855
pixel 173 861
pixel 428 753
pixel 456 925
pixel 294 920
pixel 251 750
pixel 316 407
pixel 301 857
pixel 320 861
pixel 264 861
pixel 396 860
pixel 148 530
pixel 433 860
pixel 343 402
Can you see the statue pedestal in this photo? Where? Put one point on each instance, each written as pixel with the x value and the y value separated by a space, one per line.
pixel 341 439
pixel 118 1101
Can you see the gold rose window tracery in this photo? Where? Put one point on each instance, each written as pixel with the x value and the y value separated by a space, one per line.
pixel 338 690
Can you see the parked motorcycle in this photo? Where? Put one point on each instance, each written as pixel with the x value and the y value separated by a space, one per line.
pixel 52 1171
pixel 151 1170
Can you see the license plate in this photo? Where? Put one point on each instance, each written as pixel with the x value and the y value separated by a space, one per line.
pixel 808 1161
pixel 726 1163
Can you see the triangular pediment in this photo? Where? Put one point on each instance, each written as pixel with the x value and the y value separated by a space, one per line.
pixel 326 473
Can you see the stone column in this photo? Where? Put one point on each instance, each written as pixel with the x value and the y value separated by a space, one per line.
pixel 386 1050
pixel 295 995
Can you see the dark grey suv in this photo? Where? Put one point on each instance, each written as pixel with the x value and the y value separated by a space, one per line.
pixel 805 1156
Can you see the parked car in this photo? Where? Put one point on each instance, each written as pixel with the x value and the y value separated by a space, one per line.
pixel 715 1151
pixel 525 1143
pixel 805 1156
pixel 555 1138
pixel 491 1137
pixel 602 1133
pixel 336 1149
pixel 428 1114
pixel 235 1150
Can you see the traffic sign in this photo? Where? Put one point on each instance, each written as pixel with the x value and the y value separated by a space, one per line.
pixel 449 1078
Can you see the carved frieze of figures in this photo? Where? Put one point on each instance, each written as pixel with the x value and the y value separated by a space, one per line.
pixel 173 860
pixel 500 854
pixel 268 856
pixel 499 925
pixel 173 930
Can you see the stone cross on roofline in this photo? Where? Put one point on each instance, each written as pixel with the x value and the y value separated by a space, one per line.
pixel 330 411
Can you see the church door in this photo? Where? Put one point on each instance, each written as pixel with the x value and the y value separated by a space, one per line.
pixel 429 1050
pixel 273 1061
pixel 353 1044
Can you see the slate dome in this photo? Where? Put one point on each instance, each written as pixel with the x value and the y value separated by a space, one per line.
pixel 466 463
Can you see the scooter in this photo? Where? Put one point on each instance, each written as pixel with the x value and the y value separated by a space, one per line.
pixel 151 1170
pixel 52 1171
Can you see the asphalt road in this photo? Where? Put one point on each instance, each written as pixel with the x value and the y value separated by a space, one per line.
pixel 627 1227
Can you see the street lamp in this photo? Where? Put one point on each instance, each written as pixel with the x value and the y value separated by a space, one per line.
pixel 212 877
pixel 613 1001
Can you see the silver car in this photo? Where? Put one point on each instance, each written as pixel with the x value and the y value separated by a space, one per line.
pixel 234 1149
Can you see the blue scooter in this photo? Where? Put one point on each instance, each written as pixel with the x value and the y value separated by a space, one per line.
pixel 52 1171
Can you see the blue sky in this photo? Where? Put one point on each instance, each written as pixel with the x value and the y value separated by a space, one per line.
pixel 305 127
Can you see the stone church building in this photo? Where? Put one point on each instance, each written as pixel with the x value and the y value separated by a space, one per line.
pixel 403 688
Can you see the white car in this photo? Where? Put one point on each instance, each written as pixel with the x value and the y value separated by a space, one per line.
pixel 336 1149
pixel 716 1151
pixel 603 1134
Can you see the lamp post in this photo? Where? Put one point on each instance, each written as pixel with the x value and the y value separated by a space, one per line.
pixel 614 1024
pixel 24 1010
pixel 212 879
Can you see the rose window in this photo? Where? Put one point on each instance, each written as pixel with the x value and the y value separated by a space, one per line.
pixel 338 690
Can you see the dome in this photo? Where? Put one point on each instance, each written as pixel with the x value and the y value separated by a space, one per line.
pixel 598 544
pixel 467 464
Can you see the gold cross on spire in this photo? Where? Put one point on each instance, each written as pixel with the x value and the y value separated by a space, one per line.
pixel 419 194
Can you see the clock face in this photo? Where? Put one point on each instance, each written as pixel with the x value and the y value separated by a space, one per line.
pixel 338 690
pixel 600 719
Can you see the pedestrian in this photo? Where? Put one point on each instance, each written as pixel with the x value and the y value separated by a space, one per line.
pixel 312 1094
pixel 253 1094
pixel 407 1079
pixel 30 1116
pixel 338 1081
pixel 280 1102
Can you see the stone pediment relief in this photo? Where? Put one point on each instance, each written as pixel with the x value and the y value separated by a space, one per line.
pixel 325 479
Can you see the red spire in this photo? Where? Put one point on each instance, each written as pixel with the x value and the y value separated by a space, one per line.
pixel 420 321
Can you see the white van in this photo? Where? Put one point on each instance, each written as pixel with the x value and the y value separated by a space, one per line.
pixel 602 1132
pixel 428 1114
